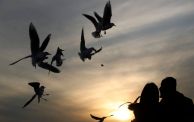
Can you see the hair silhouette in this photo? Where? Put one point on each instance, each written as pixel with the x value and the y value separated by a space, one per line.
pixel 150 94
pixel 147 110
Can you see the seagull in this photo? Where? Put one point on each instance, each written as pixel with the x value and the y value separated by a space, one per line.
pixel 101 119
pixel 37 52
pixel 39 90
pixel 130 102
pixel 104 23
pixel 86 52
pixel 57 57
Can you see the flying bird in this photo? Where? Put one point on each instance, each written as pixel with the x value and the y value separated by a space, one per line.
pixel 130 102
pixel 57 57
pixel 38 55
pixel 39 91
pixel 102 23
pixel 86 53
pixel 101 119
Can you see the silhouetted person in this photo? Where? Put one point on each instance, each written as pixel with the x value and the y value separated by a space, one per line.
pixel 38 55
pixel 101 119
pixel 39 91
pixel 86 53
pixel 103 23
pixel 176 107
pixel 147 110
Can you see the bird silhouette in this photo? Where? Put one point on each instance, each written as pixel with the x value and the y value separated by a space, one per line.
pixel 101 119
pixel 102 23
pixel 39 91
pixel 37 52
pixel 57 57
pixel 86 53
pixel 130 102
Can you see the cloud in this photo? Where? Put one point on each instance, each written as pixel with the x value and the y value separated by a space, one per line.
pixel 152 40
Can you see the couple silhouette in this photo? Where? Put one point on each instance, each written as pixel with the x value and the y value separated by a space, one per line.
pixel 173 106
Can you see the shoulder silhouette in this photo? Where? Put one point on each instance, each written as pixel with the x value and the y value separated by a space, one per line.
pixel 176 106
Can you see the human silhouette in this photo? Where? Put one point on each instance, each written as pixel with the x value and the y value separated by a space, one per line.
pixel 39 91
pixel 101 119
pixel 176 107
pixel 104 23
pixel 86 53
pixel 38 55
pixel 147 110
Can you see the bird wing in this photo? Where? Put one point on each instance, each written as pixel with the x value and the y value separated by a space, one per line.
pixel 82 43
pixel 35 85
pixel 45 43
pixel 99 18
pixel 109 116
pixel 20 60
pixel 96 51
pixel 29 101
pixel 107 13
pixel 124 104
pixel 94 117
pixel 53 59
pixel 34 39
pixel 92 19
pixel 49 67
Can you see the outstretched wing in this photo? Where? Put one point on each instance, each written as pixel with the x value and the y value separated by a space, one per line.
pixel 48 67
pixel 124 104
pixel 82 43
pixel 34 39
pixel 96 51
pixel 92 19
pixel 45 43
pixel 29 101
pixel 20 60
pixel 107 13
pixel 35 85
pixel 94 117
pixel 99 18
pixel 109 116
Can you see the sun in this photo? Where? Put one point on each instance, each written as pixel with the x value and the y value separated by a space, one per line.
pixel 123 114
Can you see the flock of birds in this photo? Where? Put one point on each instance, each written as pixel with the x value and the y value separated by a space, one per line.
pixel 39 55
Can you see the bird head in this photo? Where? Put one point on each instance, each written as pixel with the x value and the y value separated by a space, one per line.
pixel 59 51
pixel 112 24
pixel 42 87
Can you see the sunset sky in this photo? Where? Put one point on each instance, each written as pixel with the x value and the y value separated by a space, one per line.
pixel 152 39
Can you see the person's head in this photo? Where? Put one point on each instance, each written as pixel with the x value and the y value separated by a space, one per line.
pixel 168 87
pixel 150 94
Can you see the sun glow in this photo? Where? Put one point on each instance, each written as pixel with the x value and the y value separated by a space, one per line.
pixel 123 114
